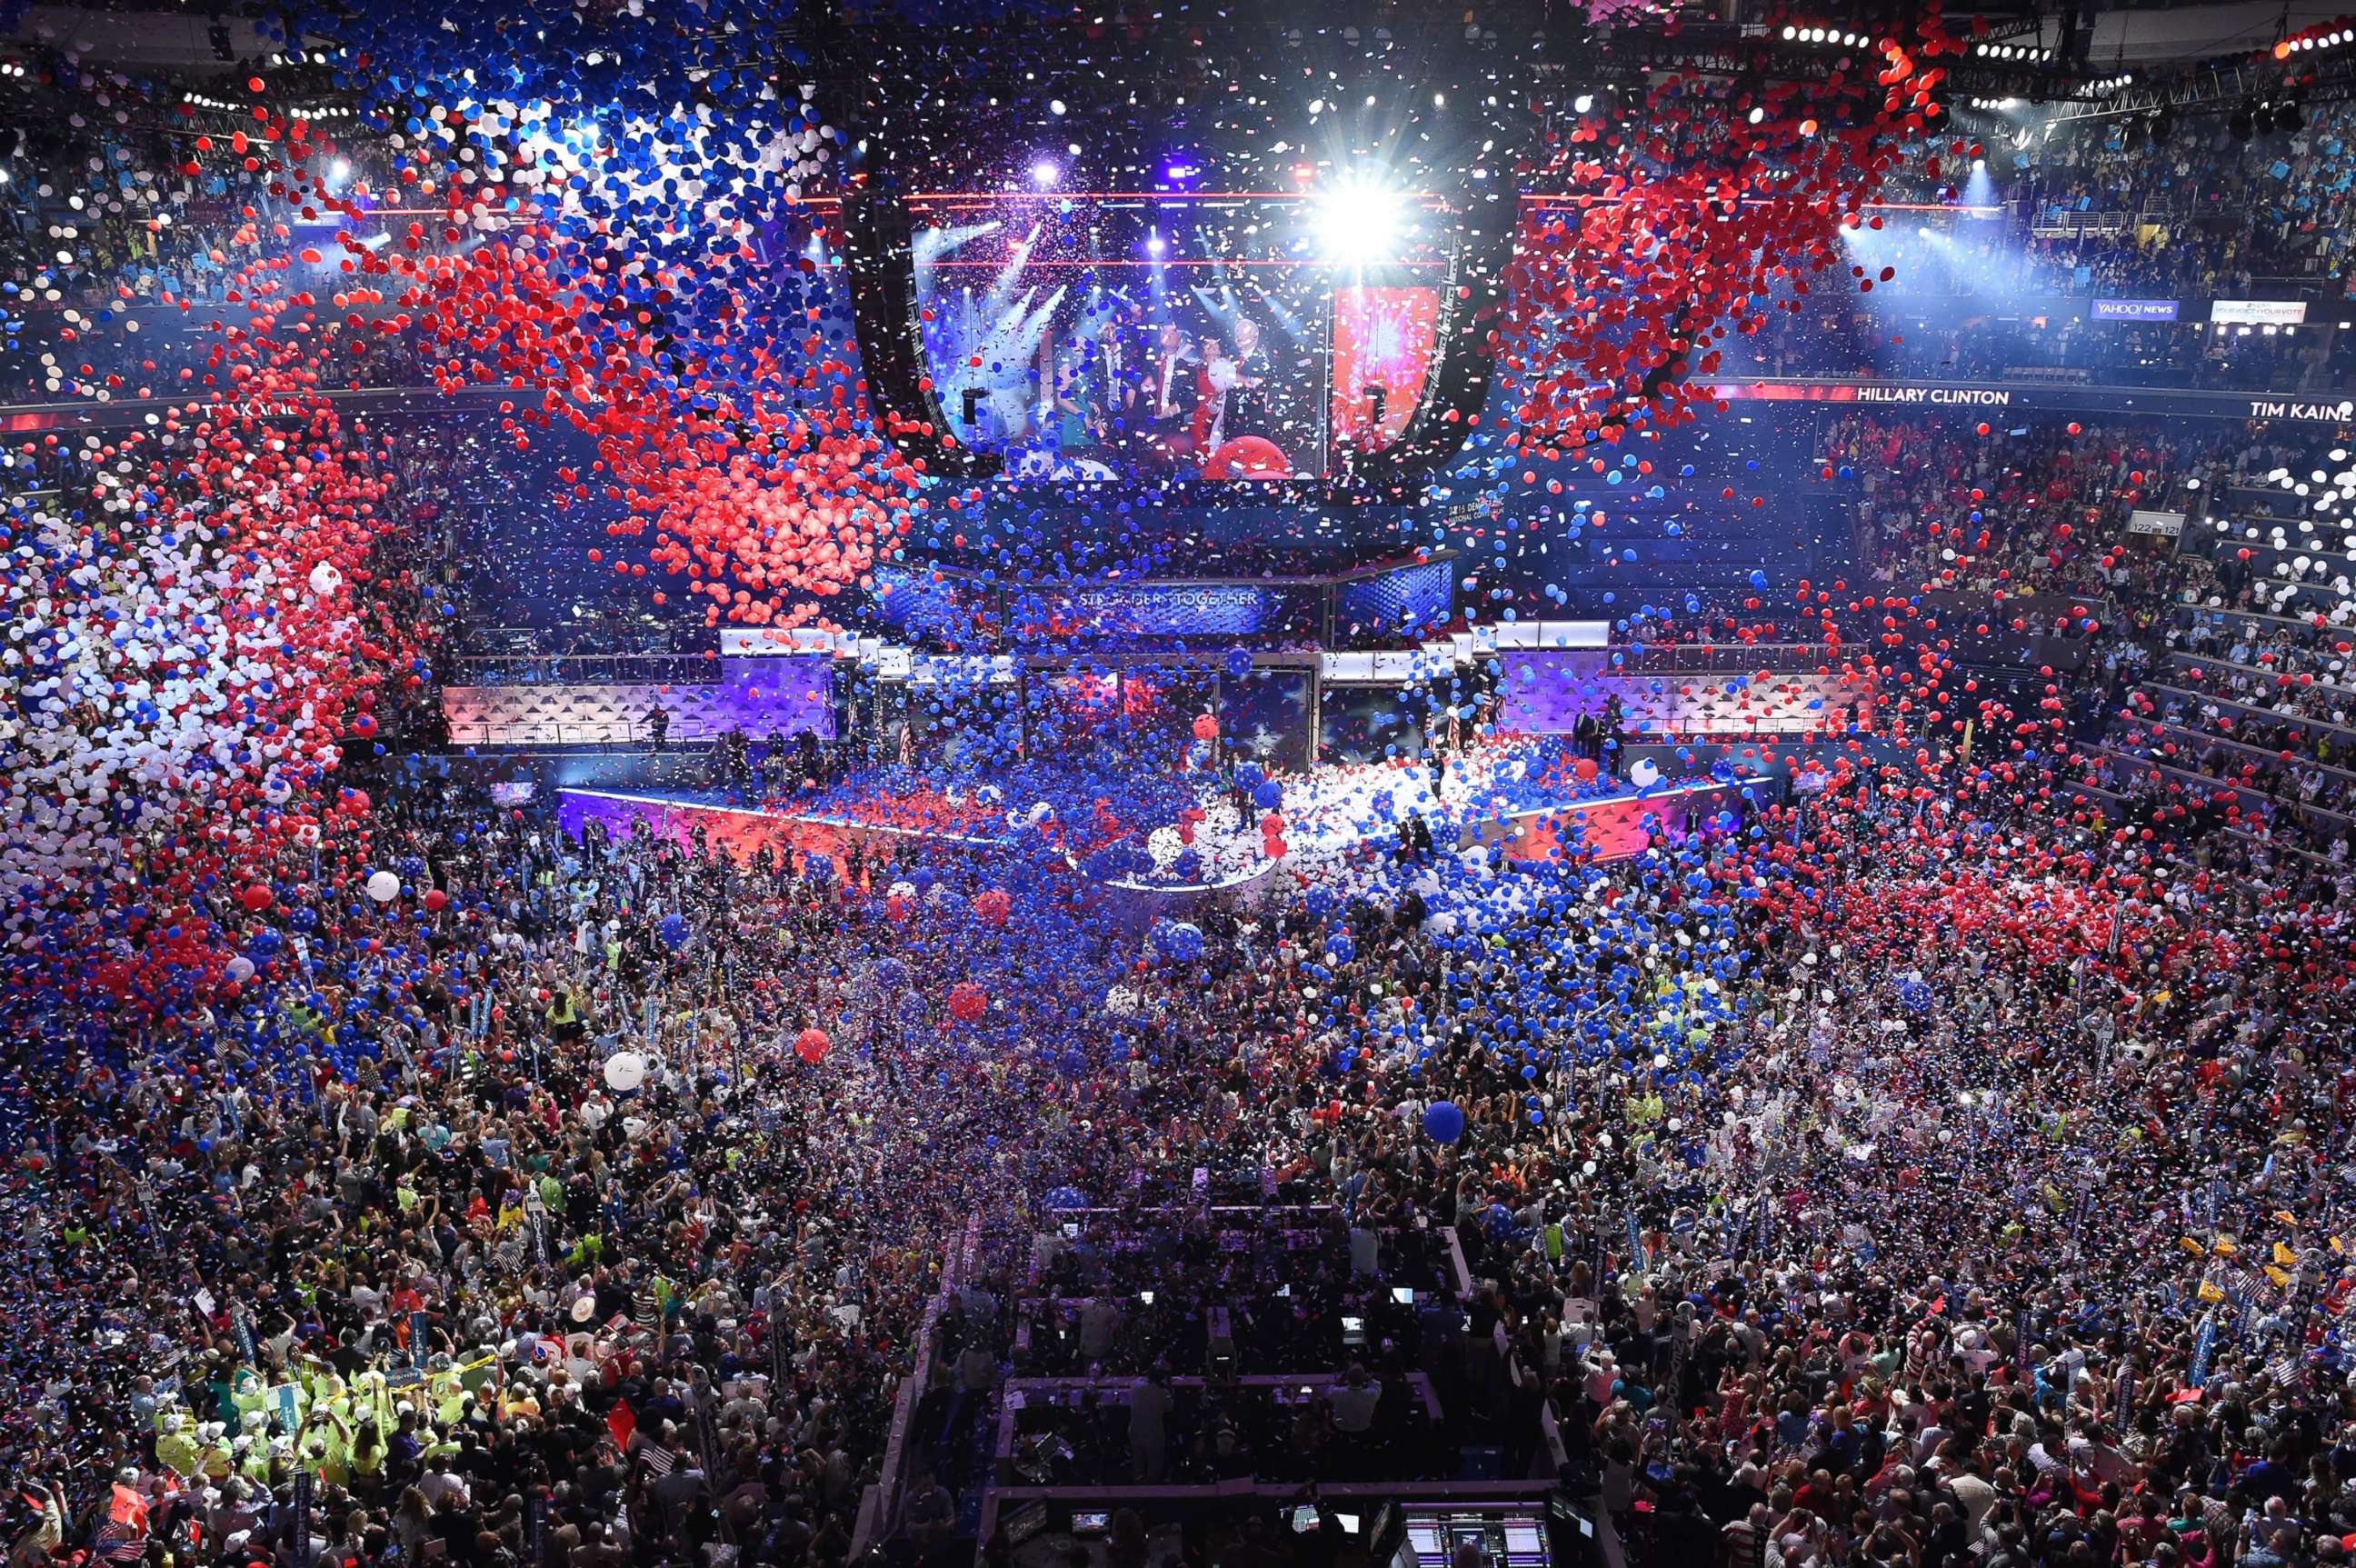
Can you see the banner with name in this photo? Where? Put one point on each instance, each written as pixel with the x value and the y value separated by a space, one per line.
pixel 2059 401
pixel 2134 310
pixel 2258 312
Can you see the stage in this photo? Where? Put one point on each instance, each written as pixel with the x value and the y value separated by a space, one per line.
pixel 1495 797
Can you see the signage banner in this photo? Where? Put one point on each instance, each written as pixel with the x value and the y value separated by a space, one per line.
pixel 2053 399
pixel 2258 312
pixel 2134 310
pixel 2167 524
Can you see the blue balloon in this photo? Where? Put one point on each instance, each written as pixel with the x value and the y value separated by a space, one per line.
pixel 674 931
pixel 1443 1122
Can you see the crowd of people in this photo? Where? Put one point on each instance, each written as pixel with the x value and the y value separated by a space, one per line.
pixel 1926 1208
pixel 1934 1159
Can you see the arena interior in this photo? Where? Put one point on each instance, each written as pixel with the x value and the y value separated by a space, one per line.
pixel 1169 784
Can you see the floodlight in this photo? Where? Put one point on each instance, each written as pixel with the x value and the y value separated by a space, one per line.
pixel 1359 221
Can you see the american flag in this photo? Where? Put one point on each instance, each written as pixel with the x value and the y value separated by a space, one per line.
pixel 118 1542
pixel 657 1459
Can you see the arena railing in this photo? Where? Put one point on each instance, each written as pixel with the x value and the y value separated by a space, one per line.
pixel 2260 672
pixel 2271 812
pixel 2260 754
pixel 627 734
pixel 2304 624
pixel 1704 658
pixel 582 669
pixel 2125 794
pixel 883 1506
pixel 2254 709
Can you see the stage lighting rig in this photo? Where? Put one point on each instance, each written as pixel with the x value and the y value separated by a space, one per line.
pixel 2334 34
pixel 1360 221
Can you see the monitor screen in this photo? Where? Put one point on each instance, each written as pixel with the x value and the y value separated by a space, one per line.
pixel 1088 336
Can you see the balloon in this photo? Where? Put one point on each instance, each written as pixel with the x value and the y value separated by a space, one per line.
pixel 1586 770
pixel 1443 1122
pixel 383 886
pixel 1246 458
pixel 624 1070
pixel 1644 773
pixel 810 1045
pixel 994 905
pixel 325 579
pixel 436 899
pixel 240 970
pixel 674 931
pixel 1178 940
pixel 256 896
pixel 1207 727
pixel 967 1002
pixel 1122 1002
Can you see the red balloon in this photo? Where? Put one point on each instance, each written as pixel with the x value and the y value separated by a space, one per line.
pixel 1246 458
pixel 993 906
pixel 1585 768
pixel 257 898
pixel 810 1045
pixel 967 1001
pixel 1206 727
pixel 436 899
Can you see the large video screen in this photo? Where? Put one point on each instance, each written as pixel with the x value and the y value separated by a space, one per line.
pixel 1088 338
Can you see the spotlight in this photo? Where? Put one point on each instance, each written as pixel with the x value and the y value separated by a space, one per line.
pixel 1790 33
pixel 1044 173
pixel 1358 222
pixel 1155 245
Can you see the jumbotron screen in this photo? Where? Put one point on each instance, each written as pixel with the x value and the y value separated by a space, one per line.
pixel 1224 339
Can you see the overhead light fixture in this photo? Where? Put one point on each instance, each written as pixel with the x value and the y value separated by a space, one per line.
pixel 1359 220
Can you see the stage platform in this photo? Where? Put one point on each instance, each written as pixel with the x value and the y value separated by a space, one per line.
pixel 1330 813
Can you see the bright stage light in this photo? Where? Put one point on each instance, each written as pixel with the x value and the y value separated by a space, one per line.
pixel 1044 173
pixel 1359 221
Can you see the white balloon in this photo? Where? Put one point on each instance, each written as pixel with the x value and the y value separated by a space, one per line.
pixel 624 1070
pixel 1644 773
pixel 383 886
pixel 325 579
